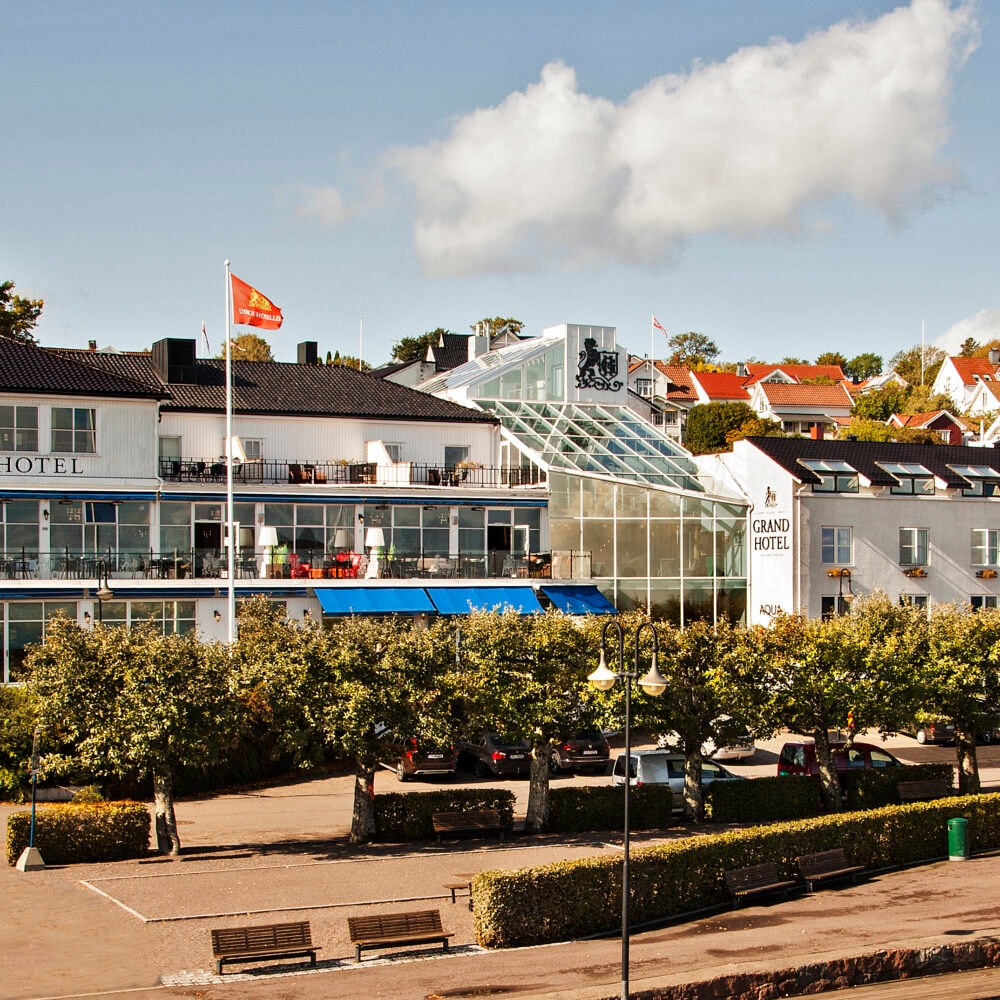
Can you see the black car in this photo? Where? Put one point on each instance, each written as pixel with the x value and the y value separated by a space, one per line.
pixel 586 750
pixel 493 753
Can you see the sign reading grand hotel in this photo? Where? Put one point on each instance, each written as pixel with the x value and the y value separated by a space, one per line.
pixel 39 465
pixel 597 369
pixel 771 530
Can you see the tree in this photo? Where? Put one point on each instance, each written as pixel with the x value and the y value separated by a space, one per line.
pixel 864 366
pixel 969 348
pixel 415 348
pixel 865 429
pixel 832 358
pixel 794 361
pixel 691 349
pixel 908 364
pixel 709 423
pixel 18 316
pixel 756 427
pixel 135 702
pixel 498 324
pixel 880 404
pixel 248 347
pixel 348 361
pixel 920 399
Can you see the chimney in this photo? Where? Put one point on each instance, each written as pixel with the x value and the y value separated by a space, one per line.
pixel 308 352
pixel 816 432
pixel 91 345
pixel 174 361
pixel 741 370
pixel 478 345
pixel 995 355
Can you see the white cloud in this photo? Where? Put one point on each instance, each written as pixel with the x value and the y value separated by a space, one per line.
pixel 555 177
pixel 983 327
pixel 315 203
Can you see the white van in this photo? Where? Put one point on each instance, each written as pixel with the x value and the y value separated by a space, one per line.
pixel 665 767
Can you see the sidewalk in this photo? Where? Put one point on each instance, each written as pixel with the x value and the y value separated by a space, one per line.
pixel 144 926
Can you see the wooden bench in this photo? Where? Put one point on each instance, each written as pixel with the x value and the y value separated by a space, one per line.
pixel 825 866
pixel 471 821
pixel 924 791
pixel 394 930
pixel 244 944
pixel 756 880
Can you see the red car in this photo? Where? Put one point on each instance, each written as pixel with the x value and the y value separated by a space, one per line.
pixel 800 758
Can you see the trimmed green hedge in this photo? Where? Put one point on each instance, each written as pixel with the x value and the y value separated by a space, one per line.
pixel 602 807
pixel 407 815
pixel 873 788
pixel 573 899
pixel 763 800
pixel 68 833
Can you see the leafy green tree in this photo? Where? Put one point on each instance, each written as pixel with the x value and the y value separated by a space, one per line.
pixel 135 702
pixel 709 423
pixel 865 429
pixel 415 348
pixel 866 365
pixel 794 361
pixel 757 427
pixel 493 327
pixel 908 364
pixel 691 349
pixel 248 347
pixel 832 358
pixel 969 348
pixel 958 679
pixel 18 316
pixel 920 399
pixel 880 404
pixel 348 361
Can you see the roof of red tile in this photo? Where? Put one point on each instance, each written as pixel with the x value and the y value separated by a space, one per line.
pixel 784 394
pixel 968 368
pixel 758 371
pixel 721 385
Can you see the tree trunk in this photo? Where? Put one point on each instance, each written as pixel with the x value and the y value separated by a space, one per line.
pixel 537 815
pixel 829 783
pixel 167 841
pixel 363 819
pixel 968 764
pixel 694 803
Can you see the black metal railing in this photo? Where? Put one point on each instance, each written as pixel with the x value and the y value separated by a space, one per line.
pixel 187 470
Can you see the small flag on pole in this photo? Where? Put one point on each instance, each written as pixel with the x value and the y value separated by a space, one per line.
pixel 204 334
pixel 250 308
pixel 657 325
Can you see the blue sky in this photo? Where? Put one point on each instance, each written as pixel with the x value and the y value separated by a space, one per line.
pixel 787 178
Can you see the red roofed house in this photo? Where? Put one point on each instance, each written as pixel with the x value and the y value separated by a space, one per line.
pixel 960 377
pixel 719 387
pixel 941 421
pixel 808 410
pixel 757 372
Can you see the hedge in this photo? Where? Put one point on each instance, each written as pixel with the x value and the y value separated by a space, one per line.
pixel 407 815
pixel 574 899
pixel 602 807
pixel 68 833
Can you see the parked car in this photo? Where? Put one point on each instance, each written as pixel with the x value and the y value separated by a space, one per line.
pixel 935 731
pixel 739 742
pixel 587 750
pixel 666 767
pixel 493 753
pixel 799 757
pixel 410 758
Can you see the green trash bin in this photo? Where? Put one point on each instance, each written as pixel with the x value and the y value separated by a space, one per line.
pixel 958 840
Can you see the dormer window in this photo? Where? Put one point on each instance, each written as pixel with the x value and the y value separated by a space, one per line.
pixel 834 475
pixel 911 479
pixel 984 481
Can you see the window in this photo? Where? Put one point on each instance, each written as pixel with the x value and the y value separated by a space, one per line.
pixel 913 600
pixel 26 624
pixel 455 454
pixel 830 607
pixel 913 546
pixel 644 386
pixel 73 429
pixel 837 545
pixel 253 448
pixel 18 428
pixel 834 476
pixel 983 481
pixel 394 450
pixel 170 447
pixel 985 546
pixel 911 479
pixel 167 616
pixel 979 601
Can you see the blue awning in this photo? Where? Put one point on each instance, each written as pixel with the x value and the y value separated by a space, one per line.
pixel 373 600
pixel 579 600
pixel 464 600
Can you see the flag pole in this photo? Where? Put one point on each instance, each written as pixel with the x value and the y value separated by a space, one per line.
pixel 230 548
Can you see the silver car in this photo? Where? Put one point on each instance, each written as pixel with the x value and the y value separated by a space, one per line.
pixel 663 767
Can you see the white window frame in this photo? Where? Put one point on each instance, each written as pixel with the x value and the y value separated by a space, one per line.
pixel 985 547
pixel 914 546
pixel 79 435
pixel 839 550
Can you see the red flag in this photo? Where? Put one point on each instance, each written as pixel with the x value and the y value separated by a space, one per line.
pixel 250 308
pixel 656 323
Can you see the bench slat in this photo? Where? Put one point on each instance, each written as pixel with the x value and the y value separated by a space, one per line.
pixel 924 790
pixel 388 930
pixel 236 944
pixel 470 821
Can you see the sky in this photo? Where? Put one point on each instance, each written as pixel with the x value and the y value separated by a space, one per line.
pixel 786 178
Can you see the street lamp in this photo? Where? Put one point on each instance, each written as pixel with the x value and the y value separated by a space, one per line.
pixel 654 685
pixel 104 591
pixel 843 600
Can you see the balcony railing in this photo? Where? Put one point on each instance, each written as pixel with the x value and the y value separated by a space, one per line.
pixel 182 564
pixel 186 470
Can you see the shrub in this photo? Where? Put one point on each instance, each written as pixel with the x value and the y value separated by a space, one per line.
pixel 602 807
pixel 70 833
pixel 873 787
pixel 763 800
pixel 573 899
pixel 407 815
pixel 15 786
